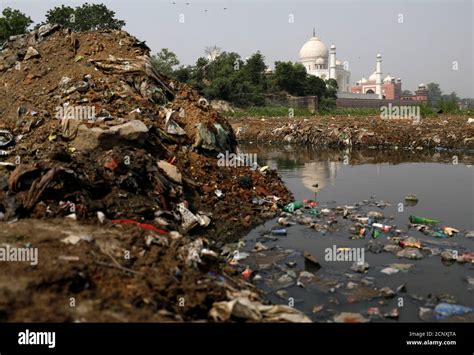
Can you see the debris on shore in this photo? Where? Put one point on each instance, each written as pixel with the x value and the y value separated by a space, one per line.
pixel 358 132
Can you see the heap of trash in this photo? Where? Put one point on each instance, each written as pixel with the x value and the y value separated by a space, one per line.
pixel 372 132
pixel 102 156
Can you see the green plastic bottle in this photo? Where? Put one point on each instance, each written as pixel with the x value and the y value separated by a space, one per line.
pixel 421 220
pixel 376 233
pixel 292 207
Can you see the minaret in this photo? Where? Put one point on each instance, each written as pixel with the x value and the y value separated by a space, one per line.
pixel 378 76
pixel 332 62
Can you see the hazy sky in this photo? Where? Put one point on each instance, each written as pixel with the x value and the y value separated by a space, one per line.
pixel 422 48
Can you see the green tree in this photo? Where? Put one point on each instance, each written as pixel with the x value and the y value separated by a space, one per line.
pixel 453 97
pixel 289 77
pixel 254 70
pixel 447 106
pixel 327 97
pixel 315 86
pixel 448 103
pixel 331 89
pixel 165 61
pixel 434 94
pixel 196 74
pixel 87 17
pixel 292 78
pixel 183 73
pixel 224 79
pixel 226 76
pixel 13 22
pixel 64 16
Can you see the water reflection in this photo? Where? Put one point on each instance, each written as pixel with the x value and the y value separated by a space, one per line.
pixel 291 157
pixel 442 184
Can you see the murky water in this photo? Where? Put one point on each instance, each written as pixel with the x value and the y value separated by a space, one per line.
pixel 444 185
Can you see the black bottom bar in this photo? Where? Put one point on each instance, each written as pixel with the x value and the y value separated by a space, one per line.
pixel 448 338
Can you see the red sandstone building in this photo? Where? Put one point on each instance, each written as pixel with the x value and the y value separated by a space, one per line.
pixel 420 95
pixel 391 89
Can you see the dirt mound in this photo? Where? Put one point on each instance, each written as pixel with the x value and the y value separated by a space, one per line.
pixel 110 71
pixel 91 134
pixel 89 118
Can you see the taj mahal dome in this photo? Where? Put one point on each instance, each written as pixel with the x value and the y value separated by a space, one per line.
pixel 321 62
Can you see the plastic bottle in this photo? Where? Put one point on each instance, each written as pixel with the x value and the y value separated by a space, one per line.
pixel 382 227
pixel 376 233
pixel 279 232
pixel 291 207
pixel 421 220
pixel 443 310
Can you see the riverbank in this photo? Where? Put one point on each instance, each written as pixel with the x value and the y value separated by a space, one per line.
pixel 448 132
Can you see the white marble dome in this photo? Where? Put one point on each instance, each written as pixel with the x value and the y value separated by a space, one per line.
pixel 373 76
pixel 388 79
pixel 314 49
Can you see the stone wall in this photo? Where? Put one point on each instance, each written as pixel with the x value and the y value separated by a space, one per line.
pixel 372 103
pixel 309 102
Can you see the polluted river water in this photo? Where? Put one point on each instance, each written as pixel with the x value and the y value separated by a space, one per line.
pixel 409 289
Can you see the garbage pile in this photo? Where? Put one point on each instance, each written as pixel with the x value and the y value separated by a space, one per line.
pixel 359 132
pixel 148 146
pixel 90 132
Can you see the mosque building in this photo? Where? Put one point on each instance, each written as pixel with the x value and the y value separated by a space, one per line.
pixel 388 88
